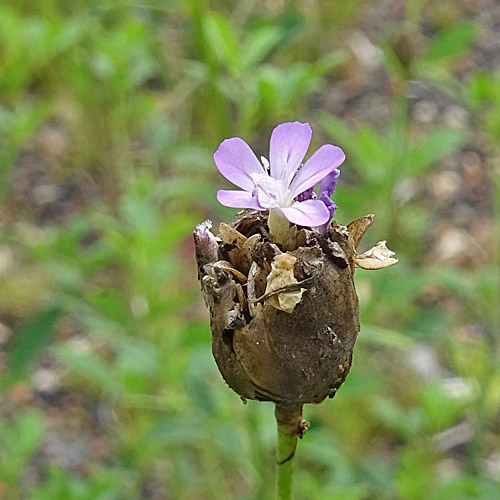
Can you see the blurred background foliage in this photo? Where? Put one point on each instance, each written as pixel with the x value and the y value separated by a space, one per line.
pixel 109 114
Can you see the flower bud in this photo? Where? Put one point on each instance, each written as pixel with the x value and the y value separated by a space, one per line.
pixel 285 318
pixel 207 248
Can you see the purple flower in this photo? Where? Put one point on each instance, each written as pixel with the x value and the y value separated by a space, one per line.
pixel 326 188
pixel 277 184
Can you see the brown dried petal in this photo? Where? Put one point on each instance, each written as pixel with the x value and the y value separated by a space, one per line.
pixel 247 251
pixel 295 239
pixel 282 277
pixel 230 236
pixel 224 266
pixel 357 229
pixel 378 257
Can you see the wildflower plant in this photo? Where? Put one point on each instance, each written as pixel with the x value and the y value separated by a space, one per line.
pixel 278 280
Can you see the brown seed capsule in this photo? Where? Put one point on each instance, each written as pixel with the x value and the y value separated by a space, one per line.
pixel 285 333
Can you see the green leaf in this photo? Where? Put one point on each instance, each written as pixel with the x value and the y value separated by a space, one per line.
pixel 393 64
pixel 20 438
pixel 451 42
pixel 337 129
pixel 141 214
pixel 405 423
pixel 223 41
pixel 483 87
pixel 301 80
pixel 416 471
pixel 433 147
pixel 176 431
pixel 364 146
pixel 441 410
pixel 259 44
pixel 92 368
pixel 32 337
pixel 30 427
pixel 15 128
pixel 385 337
pixel 461 488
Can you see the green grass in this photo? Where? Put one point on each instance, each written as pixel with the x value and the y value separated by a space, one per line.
pixel 136 97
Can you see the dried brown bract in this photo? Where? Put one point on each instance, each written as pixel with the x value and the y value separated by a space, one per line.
pixel 284 319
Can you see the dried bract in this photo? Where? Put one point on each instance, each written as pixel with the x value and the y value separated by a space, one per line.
pixel 281 287
pixel 378 257
pixel 284 319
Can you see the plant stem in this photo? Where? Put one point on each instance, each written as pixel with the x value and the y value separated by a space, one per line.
pixel 289 421
pixel 278 226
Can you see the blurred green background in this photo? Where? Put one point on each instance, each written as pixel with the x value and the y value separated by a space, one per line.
pixel 110 111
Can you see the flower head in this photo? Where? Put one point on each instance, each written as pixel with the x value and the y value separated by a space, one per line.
pixel 283 184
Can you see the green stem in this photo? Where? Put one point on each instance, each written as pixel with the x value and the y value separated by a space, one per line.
pixel 289 420
pixel 278 226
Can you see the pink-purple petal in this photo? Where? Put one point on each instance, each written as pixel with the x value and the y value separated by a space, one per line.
pixel 237 162
pixel 319 165
pixel 331 206
pixel 310 213
pixel 328 184
pixel 237 199
pixel 289 144
pixel 306 195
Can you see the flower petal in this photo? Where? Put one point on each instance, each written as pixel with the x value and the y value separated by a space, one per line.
pixel 306 195
pixel 327 184
pixel 321 163
pixel 289 144
pixel 329 203
pixel 331 206
pixel 237 162
pixel 310 213
pixel 237 199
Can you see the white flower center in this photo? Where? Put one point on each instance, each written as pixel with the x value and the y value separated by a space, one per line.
pixel 270 192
